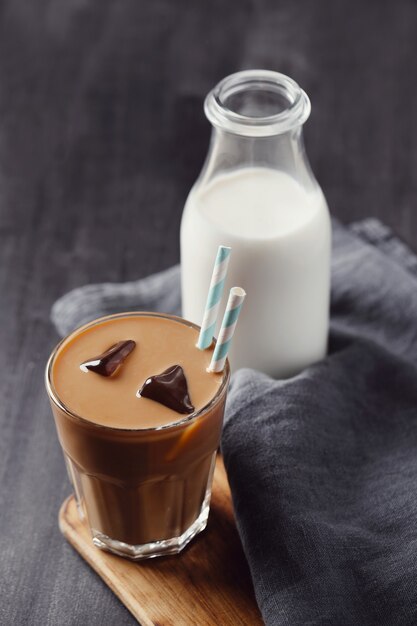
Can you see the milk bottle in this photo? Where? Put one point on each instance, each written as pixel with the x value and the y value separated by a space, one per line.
pixel 257 194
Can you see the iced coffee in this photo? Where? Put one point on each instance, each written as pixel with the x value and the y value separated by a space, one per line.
pixel 139 418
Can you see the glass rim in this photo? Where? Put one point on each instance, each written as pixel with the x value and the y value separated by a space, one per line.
pixel 54 396
pixel 297 112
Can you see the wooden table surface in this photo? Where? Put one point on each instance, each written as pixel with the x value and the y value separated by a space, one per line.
pixel 101 135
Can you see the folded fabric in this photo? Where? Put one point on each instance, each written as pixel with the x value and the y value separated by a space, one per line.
pixel 323 466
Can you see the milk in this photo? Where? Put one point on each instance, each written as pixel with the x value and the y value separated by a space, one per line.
pixel 280 239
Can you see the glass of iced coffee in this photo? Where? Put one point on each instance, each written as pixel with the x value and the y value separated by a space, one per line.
pixel 139 418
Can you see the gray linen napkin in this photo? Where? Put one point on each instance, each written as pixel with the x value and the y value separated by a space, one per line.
pixel 323 466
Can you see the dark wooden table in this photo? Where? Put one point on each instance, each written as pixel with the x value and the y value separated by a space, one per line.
pixel 101 135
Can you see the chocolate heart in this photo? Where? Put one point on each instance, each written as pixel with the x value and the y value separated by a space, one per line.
pixel 107 363
pixel 170 389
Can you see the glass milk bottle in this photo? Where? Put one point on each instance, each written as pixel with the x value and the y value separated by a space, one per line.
pixel 258 195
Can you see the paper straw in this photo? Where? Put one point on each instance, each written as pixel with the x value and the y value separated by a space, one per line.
pixel 234 304
pixel 213 298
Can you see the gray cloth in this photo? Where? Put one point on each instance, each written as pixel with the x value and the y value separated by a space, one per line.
pixel 322 467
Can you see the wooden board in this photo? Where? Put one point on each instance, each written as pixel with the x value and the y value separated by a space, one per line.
pixel 208 583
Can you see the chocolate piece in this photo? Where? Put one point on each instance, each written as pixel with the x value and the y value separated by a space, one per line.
pixel 169 388
pixel 107 363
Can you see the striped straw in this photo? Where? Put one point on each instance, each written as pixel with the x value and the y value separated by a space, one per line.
pixel 234 304
pixel 213 298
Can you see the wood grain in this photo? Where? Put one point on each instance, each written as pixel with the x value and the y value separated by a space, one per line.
pixel 208 583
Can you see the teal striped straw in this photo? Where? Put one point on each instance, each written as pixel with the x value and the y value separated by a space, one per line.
pixel 231 315
pixel 214 296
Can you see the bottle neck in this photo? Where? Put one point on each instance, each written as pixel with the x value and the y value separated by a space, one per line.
pixel 257 119
pixel 284 153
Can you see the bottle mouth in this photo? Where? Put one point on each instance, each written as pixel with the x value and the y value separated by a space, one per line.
pixel 257 103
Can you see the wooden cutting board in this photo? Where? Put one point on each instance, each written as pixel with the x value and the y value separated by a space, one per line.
pixel 207 584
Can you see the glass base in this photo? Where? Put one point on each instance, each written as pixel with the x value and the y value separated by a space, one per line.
pixel 154 548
